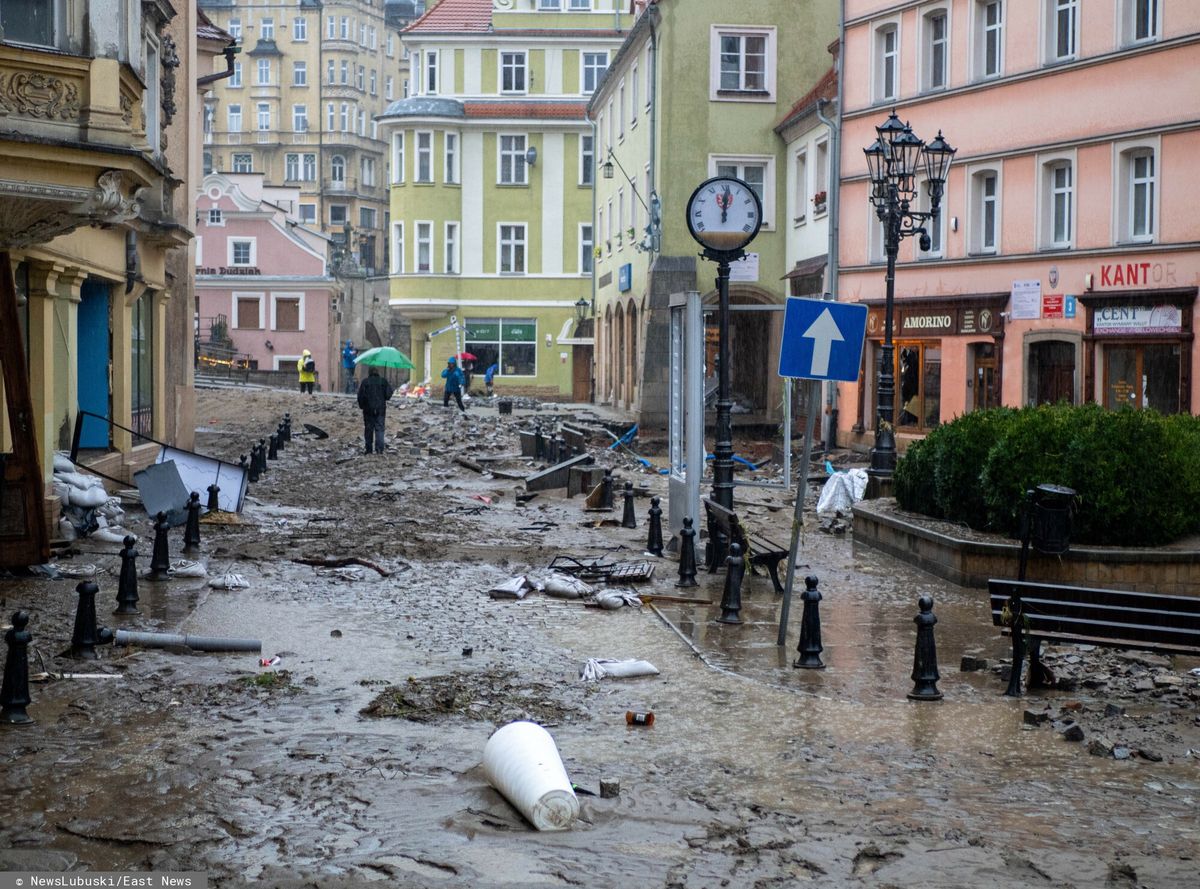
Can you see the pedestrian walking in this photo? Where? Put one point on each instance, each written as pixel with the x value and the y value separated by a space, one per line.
pixel 468 371
pixel 488 376
pixel 307 369
pixel 453 376
pixel 349 353
pixel 373 395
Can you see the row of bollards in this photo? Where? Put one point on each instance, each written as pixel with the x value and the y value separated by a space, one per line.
pixel 263 450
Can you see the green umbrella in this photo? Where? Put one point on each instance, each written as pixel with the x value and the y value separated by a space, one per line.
pixel 385 356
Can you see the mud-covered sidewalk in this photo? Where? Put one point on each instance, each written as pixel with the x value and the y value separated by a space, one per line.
pixel 358 756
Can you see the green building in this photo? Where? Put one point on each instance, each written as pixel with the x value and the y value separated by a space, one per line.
pixel 696 90
pixel 492 167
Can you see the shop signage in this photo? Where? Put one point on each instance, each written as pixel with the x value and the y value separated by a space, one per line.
pixel 1069 306
pixel 744 269
pixel 925 323
pixel 625 277
pixel 931 323
pixel 1052 305
pixel 230 270
pixel 1137 319
pixel 1026 300
pixel 1137 274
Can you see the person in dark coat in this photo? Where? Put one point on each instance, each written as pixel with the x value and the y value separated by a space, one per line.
pixel 454 384
pixel 373 395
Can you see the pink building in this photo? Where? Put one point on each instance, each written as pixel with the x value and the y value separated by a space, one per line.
pixel 263 289
pixel 1065 262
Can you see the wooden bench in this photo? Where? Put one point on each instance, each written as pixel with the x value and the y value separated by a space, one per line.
pixel 725 528
pixel 1111 618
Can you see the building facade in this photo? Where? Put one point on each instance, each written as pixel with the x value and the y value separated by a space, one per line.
pixel 301 104
pixel 264 291
pixel 491 192
pixel 697 91
pixel 1065 262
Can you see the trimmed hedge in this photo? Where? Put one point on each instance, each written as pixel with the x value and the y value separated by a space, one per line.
pixel 1137 473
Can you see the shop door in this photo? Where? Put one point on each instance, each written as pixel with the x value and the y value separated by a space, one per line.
pixel 1144 376
pixel 581 373
pixel 987 377
pixel 94 359
pixel 1052 372
pixel 918 374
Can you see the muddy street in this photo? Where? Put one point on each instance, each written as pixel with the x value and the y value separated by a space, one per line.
pixel 357 757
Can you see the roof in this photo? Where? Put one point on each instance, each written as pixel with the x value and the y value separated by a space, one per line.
pixel 206 30
pixel 424 106
pixel 542 110
pixel 826 88
pixel 455 16
pixel 265 48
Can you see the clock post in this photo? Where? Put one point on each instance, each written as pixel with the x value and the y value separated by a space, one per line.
pixel 723 215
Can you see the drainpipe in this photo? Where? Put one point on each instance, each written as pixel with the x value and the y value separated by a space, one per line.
pixel 835 175
pixel 229 51
pixel 656 235
pixel 595 241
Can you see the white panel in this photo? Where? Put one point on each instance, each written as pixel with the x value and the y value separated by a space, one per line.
pixel 472 65
pixel 447 73
pixel 472 203
pixel 551 174
pixel 554 70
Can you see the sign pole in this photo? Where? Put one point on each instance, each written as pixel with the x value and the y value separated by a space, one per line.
pixel 813 396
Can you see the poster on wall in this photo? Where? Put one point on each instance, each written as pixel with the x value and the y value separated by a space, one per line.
pixel 1026 300
pixel 745 269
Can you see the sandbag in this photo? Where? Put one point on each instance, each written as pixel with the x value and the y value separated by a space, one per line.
pixel 88 498
pixel 600 668
pixel 564 586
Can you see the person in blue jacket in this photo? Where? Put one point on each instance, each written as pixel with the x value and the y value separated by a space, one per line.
pixel 453 376
pixel 488 376
pixel 349 353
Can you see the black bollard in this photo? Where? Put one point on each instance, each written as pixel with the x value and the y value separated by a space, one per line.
pixel 191 530
pixel 731 597
pixel 280 440
pixel 628 519
pixel 810 628
pixel 272 447
pixel 262 456
pixel 539 443
pixel 14 692
pixel 687 555
pixel 287 426
pixel 606 492
pixel 925 669
pixel 654 540
pixel 127 592
pixel 160 556
pixel 252 467
pixel 87 635
pixel 242 463
pixel 213 504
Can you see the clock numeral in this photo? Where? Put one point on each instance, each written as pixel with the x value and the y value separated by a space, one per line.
pixel 747 227
pixel 698 214
pixel 712 190
pixel 699 226
pixel 748 201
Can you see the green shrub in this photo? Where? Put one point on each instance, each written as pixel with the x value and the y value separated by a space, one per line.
pixel 964 446
pixel 914 478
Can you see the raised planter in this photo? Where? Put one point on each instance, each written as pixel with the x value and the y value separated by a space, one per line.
pixel 968 558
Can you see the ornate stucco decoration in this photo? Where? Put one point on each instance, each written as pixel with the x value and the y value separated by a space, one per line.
pixel 127 109
pixel 34 213
pixel 39 95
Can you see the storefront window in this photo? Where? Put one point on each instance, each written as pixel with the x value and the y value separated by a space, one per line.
pixel 1142 376
pixel 142 384
pixel 509 342
pixel 1051 376
pixel 918 385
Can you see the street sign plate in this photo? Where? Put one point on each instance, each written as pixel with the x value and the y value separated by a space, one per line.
pixel 822 340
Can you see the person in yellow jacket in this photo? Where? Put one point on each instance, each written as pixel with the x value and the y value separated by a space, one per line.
pixel 307 369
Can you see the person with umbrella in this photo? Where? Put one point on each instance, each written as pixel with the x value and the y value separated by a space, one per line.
pixel 373 395
pixel 468 370
pixel 454 384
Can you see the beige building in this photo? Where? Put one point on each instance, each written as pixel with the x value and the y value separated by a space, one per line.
pixel 301 103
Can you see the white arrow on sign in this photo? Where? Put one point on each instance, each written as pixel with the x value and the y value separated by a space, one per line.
pixel 822 332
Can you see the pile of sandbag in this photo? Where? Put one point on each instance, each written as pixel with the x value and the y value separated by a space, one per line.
pixel 87 510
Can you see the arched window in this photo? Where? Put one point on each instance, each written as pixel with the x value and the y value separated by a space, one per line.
pixel 337 169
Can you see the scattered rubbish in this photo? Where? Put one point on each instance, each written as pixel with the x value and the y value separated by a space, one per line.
pixel 603 668
pixel 632 718
pixel 582 791
pixel 522 499
pixel 841 491
pixel 273 661
pixel 186 568
pixel 350 574
pixel 335 634
pixel 50 572
pixel 178 640
pixel 611 600
pixel 77 571
pixel 540 527
pixel 609 789
pixel 597 569
pixel 229 582
pixel 163 490
pixel 55 677
pixel 465 510
pixel 482 498
pixel 522 762
pixel 515 588
pixel 342 563
pixel 468 651
pixel 315 431
pixel 565 586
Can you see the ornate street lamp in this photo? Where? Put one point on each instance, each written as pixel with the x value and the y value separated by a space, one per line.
pixel 582 306
pixel 892 161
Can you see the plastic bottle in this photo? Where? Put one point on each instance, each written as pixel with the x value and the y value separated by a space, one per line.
pixel 632 718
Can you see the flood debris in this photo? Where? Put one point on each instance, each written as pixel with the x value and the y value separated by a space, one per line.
pixel 182 640
pixel 513 588
pixel 522 761
pixel 605 668
pixel 332 562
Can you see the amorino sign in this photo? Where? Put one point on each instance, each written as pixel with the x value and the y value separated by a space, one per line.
pixel 925 322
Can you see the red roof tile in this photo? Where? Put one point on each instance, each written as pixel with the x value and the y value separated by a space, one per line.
pixel 543 110
pixel 455 16
pixel 206 30
pixel 826 88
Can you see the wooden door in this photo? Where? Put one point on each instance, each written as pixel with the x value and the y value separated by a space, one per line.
pixel 581 373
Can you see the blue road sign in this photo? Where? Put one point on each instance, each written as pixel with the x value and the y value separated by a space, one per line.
pixel 822 340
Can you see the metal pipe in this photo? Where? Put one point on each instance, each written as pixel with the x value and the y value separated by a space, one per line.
pixel 197 643
pixel 229 51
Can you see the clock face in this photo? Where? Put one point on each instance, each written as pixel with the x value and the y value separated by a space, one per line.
pixel 724 214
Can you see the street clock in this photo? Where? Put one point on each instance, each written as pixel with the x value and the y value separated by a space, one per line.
pixel 724 215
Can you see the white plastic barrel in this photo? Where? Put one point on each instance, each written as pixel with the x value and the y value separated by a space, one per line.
pixel 521 761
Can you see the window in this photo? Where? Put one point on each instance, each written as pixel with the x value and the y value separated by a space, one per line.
pixel 374 37
pixel 512 249
pixel 424 170
pixel 235 29
pixel 450 248
pixel 611 118
pixel 345 72
pixel 374 83
pixel 606 231
pixel 367 169
pixel 580 5
pixel 366 217
pixel 208 162
pixel 587 160
pixel 344 28
pixel 1058 195
pixel 431 72
pixel 887 60
pixel 215 217
pixel 398 157
pixel 264 116
pixel 243 163
pixel 151 101
pixel 362 34
pixel 299 28
pixel 337 170
pixel 1136 187
pixel 267 29
pixel 800 188
pixel 389 88
pixel 1062 29
pixel 1143 376
pixel 585 249
pixel 310 168
pixel 300 118
pixel 621 110
pixel 1140 20
pixel 509 342
pixel 360 77
pixel 308 213
pixel 344 117
pixel 241 252
pixel 549 4
pixel 757 172
pixel 35 22
pixel 299 73
pixel 985 230
pixel 512 160
pixel 234 115
pixel 821 177
pixel 262 76
pixel 141 371
pixel 397 248
pixel 331 117
pixel 287 312
pixel 236 79
pixel 633 97
pixel 391 45
pixel 936 48
pixel 620 218
pixel 249 312
pixel 424 247
pixel 742 64
pixel 918 375
pixel 989 38
pixel 291 167
pixel 331 71
pixel 594 66
pixel 450 165
pixel 512 72
pixel 935 228
pixel 330 27
pixel 337 214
